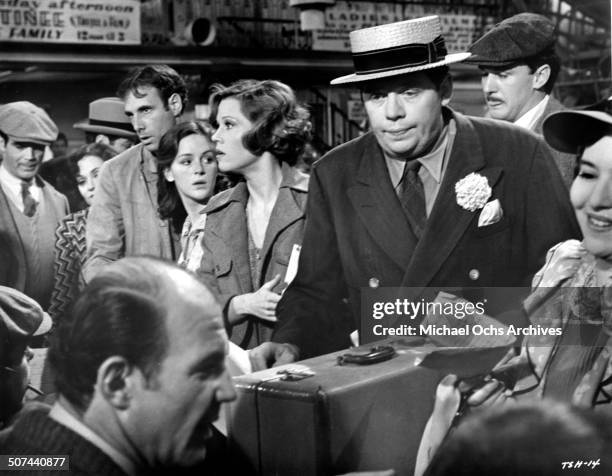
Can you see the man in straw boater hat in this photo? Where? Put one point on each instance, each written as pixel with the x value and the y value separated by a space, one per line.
pixel 428 198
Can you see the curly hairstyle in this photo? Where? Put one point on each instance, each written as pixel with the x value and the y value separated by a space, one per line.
pixel 280 125
pixel 160 76
pixel 103 151
pixel 169 201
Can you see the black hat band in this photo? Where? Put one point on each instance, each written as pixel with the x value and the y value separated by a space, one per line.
pixel 125 126
pixel 398 57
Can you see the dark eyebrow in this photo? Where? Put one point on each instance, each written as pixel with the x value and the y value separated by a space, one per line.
pixel 584 161
pixel 209 361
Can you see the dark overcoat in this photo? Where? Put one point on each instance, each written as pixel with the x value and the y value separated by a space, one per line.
pixel 357 235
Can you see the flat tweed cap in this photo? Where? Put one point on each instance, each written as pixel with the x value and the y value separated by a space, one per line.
pixel 107 116
pixel 22 121
pixel 21 317
pixel 398 48
pixel 513 40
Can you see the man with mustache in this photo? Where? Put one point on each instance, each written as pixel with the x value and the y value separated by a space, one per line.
pixel 428 199
pixel 123 220
pixel 140 370
pixel 519 67
pixel 30 208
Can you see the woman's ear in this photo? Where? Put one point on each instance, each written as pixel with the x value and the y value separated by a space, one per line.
pixel 168 175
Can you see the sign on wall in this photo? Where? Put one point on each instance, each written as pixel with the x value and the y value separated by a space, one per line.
pixel 71 21
pixel 345 16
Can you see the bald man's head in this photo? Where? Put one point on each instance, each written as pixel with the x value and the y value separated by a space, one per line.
pixel 124 312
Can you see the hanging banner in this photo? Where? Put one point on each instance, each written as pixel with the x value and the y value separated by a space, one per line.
pixel 71 21
pixel 458 29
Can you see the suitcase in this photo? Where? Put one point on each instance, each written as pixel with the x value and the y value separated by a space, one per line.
pixel 344 417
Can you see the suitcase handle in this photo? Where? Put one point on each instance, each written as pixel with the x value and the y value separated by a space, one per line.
pixel 376 354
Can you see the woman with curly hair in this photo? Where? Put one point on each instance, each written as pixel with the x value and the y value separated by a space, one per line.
pixel 186 161
pixel 84 166
pixel 255 229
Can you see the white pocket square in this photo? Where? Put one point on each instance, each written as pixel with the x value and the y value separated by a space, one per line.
pixel 491 213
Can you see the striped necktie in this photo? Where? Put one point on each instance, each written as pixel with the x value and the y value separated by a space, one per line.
pixel 29 204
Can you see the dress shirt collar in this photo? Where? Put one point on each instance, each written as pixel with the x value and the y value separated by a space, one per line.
pixel 433 162
pixel 12 187
pixel 61 415
pixel 528 120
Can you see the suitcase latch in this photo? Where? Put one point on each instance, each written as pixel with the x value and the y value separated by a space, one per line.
pixel 375 355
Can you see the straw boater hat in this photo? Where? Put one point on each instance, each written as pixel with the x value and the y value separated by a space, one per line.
pixel 398 48
pixel 107 116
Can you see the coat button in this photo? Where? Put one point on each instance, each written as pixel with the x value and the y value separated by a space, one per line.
pixel 374 282
pixel 474 274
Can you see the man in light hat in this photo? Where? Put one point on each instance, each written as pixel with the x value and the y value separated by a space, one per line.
pixel 21 319
pixel 428 199
pixel 30 208
pixel 108 124
pixel 520 66
pixel 123 218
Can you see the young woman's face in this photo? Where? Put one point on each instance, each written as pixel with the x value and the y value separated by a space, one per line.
pixel 591 196
pixel 194 170
pixel 87 178
pixel 232 155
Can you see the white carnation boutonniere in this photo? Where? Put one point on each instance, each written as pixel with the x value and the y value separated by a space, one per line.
pixel 473 192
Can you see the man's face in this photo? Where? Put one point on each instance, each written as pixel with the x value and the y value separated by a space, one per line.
pixel 509 93
pixel 150 116
pixel 171 414
pixel 405 113
pixel 22 159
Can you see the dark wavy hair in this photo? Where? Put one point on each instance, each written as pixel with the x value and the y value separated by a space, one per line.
pixel 160 76
pixel 121 312
pixel 169 201
pixel 105 152
pixel 280 125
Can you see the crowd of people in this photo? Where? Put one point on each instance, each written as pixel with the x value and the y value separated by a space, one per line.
pixel 170 238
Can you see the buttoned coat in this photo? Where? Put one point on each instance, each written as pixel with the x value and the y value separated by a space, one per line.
pixel 13 267
pixel 123 219
pixel 225 262
pixel 357 236
pixel 565 162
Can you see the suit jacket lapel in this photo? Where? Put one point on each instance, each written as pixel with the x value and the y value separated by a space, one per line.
pixel 7 222
pixel 377 205
pixel 448 221
pixel 285 212
pixel 231 227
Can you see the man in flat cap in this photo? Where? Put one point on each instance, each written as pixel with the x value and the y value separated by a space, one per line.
pixel 123 218
pixel 520 66
pixel 21 319
pixel 30 208
pixel 428 199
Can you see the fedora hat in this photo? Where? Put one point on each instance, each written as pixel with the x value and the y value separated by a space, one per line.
pixel 398 48
pixel 568 131
pixel 107 116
